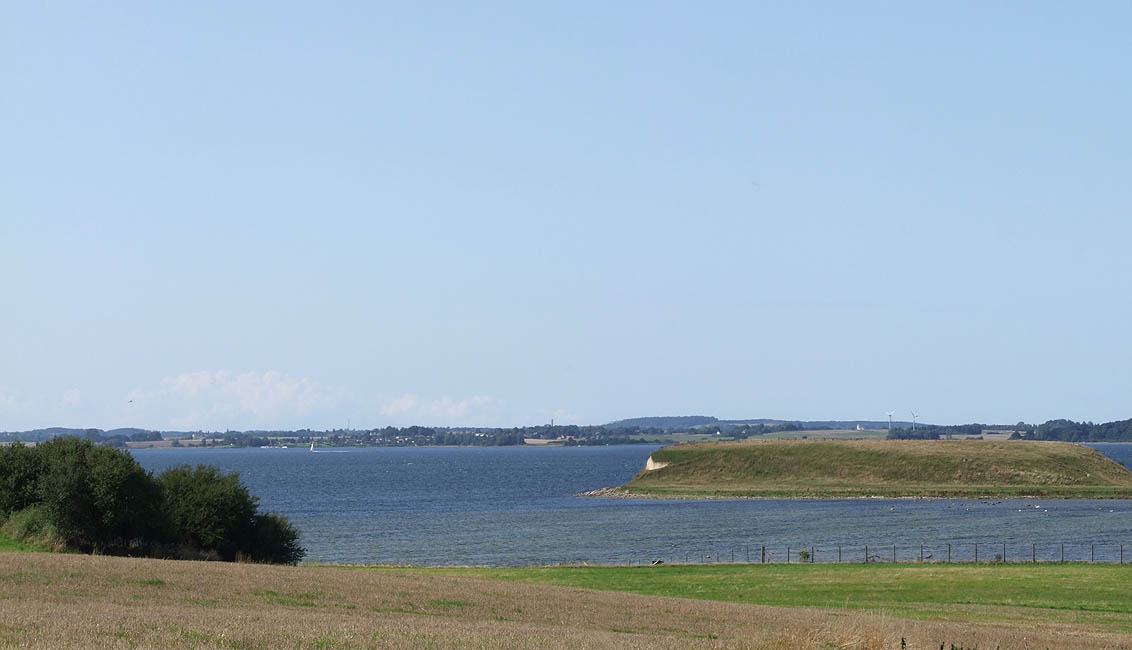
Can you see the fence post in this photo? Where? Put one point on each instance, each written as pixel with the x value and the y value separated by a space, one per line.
pixel 1122 553
pixel 949 552
pixel 1092 552
pixel 866 553
pixel 748 553
pixel 763 560
pixel 839 554
pixel 976 552
pixel 1033 553
pixel 811 555
pixel 732 556
pixel 921 553
pixel 788 555
pixel 1004 552
pixel 894 553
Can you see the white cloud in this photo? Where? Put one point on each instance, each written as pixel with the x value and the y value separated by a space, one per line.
pixel 474 410
pixel 8 402
pixel 222 399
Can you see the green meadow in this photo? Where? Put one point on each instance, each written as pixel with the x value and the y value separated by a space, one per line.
pixel 1074 592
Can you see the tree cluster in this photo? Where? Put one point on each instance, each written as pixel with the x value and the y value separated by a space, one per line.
pixel 423 436
pixel 935 432
pixel 748 430
pixel 921 433
pixel 1119 431
pixel 1064 430
pixel 73 494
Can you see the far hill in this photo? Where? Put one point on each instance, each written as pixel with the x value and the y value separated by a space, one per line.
pixel 883 468
pixel 667 422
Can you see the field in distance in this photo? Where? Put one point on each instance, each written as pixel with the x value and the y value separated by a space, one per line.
pixel 827 434
pixel 881 468
pixel 66 602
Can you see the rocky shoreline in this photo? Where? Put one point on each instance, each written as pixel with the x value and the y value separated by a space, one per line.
pixel 608 492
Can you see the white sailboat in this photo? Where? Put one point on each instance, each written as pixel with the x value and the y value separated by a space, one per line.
pixel 312 445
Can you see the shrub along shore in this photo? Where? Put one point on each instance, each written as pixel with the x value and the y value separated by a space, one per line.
pixel 68 494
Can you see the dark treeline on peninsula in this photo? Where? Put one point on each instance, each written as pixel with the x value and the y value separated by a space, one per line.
pixel 937 432
pixel 1063 430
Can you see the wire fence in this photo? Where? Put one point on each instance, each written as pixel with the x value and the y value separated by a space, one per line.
pixel 939 553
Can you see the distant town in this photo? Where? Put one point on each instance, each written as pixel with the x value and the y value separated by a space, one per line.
pixel 647 430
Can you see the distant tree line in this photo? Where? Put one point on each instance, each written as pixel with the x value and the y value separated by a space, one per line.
pixel 71 494
pixel 418 435
pixel 113 438
pixel 637 430
pixel 935 432
pixel 748 430
pixel 235 439
pixel 1064 430
pixel 1119 431
pixel 118 439
pixel 569 435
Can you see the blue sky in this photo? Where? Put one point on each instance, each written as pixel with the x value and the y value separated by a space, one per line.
pixel 294 214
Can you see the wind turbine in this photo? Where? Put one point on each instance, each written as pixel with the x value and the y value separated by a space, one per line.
pixel 890 414
pixel 914 416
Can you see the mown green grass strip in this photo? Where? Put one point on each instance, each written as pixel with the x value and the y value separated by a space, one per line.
pixel 913 590
pixel 10 544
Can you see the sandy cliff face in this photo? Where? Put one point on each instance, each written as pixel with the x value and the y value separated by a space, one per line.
pixel 651 464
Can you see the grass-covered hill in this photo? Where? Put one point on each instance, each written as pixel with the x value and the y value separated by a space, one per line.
pixel 889 468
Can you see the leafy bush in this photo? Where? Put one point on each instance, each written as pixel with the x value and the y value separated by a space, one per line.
pixel 70 493
pixel 20 469
pixel 210 510
pixel 98 498
pixel 32 525
pixel 215 513
pixel 276 540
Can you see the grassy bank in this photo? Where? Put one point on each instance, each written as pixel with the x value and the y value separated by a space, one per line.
pixel 10 544
pixel 882 468
pixel 1088 594
pixel 66 602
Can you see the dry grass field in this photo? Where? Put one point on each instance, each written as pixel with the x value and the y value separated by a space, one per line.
pixel 62 602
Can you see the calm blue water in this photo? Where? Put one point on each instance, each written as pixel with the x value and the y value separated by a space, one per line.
pixel 513 506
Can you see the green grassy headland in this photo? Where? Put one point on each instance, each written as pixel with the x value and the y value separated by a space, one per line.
pixel 881 468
